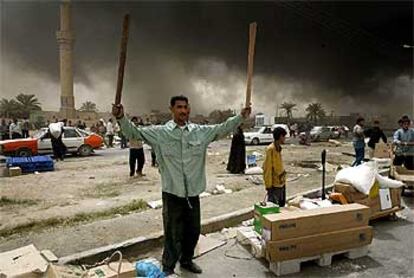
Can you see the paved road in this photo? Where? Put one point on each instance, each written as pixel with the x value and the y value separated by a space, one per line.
pixel 391 254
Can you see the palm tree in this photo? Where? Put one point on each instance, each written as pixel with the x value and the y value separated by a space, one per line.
pixel 288 107
pixel 315 112
pixel 9 108
pixel 27 104
pixel 88 106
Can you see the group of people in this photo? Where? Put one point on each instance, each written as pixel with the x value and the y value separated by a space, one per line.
pixel 14 129
pixel 403 141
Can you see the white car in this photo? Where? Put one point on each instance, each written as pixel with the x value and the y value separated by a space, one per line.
pixel 259 135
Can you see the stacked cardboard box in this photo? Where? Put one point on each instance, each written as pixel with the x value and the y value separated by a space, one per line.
pixel 372 200
pixel 307 233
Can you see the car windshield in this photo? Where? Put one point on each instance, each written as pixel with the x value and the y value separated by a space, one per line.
pixel 84 132
pixel 317 128
pixel 255 129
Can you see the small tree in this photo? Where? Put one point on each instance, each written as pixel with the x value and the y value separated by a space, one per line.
pixel 9 108
pixel 88 106
pixel 315 112
pixel 27 104
pixel 288 107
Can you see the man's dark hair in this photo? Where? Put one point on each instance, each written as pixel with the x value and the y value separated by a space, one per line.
pixel 405 119
pixel 134 119
pixel 174 99
pixel 278 132
pixel 359 120
pixel 376 122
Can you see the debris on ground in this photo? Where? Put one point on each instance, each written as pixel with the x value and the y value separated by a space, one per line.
pixel 254 171
pixel 329 167
pixel 248 222
pixel 206 244
pixel 26 261
pixel 256 180
pixel 155 204
pixel 221 189
pixel 335 142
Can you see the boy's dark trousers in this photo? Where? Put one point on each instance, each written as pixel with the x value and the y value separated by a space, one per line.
pixel 277 195
pixel 181 229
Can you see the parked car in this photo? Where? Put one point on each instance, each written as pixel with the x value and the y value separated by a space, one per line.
pixel 259 135
pixel 335 132
pixel 320 133
pixel 77 141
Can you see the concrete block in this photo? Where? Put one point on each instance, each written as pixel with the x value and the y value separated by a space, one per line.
pixel 15 171
pixel 357 252
pixel 284 268
pixel 325 259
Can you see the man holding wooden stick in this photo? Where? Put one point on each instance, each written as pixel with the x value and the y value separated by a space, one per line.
pixel 180 147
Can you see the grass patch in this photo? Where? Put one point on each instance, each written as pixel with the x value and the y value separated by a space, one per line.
pixel 5 202
pixel 105 189
pixel 38 225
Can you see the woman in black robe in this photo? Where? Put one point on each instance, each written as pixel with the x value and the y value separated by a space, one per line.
pixel 237 159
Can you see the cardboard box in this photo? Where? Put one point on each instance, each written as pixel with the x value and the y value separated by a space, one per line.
pixel 395 196
pixel 259 211
pixel 64 271
pixel 318 244
pixel 350 193
pixel 383 150
pixel 110 271
pixel 315 221
pixel 375 204
pixel 15 171
pixel 22 262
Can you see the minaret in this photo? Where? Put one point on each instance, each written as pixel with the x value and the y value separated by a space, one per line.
pixel 65 40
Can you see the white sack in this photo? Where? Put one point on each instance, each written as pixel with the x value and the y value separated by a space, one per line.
pixel 361 177
pixel 385 182
pixel 56 129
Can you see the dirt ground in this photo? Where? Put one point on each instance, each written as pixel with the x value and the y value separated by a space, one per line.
pixel 100 182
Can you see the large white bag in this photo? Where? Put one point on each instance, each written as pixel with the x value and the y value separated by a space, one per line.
pixel 385 182
pixel 56 129
pixel 361 177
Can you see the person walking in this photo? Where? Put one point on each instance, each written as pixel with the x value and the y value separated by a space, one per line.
pixel 136 154
pixel 25 128
pixel 110 133
pixel 15 129
pixel 237 158
pixel 375 134
pixel 358 141
pixel 3 130
pixel 404 141
pixel 180 147
pixel 274 174
pixel 56 131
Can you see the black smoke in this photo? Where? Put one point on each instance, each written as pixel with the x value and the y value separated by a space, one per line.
pixel 346 55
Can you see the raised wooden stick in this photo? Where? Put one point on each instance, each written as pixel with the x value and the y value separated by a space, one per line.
pixel 122 58
pixel 250 62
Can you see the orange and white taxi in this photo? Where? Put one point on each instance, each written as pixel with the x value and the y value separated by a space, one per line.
pixel 77 141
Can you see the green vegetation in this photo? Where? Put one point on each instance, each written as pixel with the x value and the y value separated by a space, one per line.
pixel 38 225
pixel 7 202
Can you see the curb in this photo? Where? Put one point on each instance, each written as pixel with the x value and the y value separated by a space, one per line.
pixel 141 245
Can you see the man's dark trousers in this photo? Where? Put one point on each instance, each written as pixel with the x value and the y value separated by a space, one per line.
pixel 181 229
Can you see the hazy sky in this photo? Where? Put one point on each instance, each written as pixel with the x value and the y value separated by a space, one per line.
pixel 346 55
